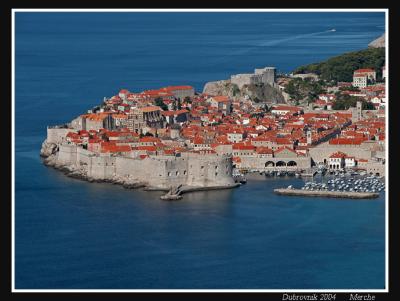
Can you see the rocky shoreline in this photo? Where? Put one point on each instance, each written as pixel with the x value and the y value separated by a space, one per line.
pixel 48 153
pixel 81 174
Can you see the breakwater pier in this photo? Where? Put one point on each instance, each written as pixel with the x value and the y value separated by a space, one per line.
pixel 329 194
pixel 175 192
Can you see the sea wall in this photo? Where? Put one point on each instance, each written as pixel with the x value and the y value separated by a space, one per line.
pixel 209 170
pixel 67 155
pixel 190 169
pixel 102 167
pixel 157 171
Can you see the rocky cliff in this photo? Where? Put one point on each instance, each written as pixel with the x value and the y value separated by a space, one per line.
pixel 258 93
pixel 48 149
pixel 378 43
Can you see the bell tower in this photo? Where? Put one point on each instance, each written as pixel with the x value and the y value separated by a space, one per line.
pixel 309 137
pixel 359 110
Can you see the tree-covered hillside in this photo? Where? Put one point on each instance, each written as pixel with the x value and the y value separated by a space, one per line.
pixel 340 68
pixel 299 89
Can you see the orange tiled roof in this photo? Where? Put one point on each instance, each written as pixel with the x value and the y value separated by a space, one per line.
pixel 343 141
pixel 150 109
pixel 366 70
pixel 220 98
pixel 338 155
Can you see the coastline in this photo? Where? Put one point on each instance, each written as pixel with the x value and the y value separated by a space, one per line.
pixel 69 163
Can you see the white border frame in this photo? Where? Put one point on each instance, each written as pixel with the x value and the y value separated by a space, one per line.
pixel 14 290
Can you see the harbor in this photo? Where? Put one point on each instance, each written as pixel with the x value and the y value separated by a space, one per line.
pixel 317 182
pixel 345 185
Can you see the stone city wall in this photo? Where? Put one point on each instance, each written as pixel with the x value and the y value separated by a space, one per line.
pixel 102 167
pixel 265 75
pixel 183 93
pixel 372 167
pixel 78 123
pixel 209 170
pixel 266 163
pixel 67 154
pixel 323 151
pixel 156 171
pixel 57 134
pixel 245 79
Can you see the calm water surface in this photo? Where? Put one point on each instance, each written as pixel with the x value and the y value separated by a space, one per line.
pixel 73 234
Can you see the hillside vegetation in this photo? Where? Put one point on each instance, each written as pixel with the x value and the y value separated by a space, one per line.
pixel 309 90
pixel 340 68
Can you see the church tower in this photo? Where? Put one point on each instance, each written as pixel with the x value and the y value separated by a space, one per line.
pixel 309 137
pixel 359 110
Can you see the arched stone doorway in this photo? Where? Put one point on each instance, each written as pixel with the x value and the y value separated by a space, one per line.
pixel 269 164
pixel 280 164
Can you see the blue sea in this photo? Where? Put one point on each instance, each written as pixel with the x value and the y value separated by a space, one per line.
pixel 71 234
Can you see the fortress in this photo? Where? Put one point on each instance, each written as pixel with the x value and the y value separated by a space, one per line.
pixel 192 170
pixel 265 75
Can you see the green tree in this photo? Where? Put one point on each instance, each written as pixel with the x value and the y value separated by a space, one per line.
pixel 300 89
pixel 344 102
pixel 159 102
pixel 349 88
pixel 341 68
pixel 235 90
pixel 367 105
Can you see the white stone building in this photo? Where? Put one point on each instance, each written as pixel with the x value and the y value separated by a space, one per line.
pixel 235 136
pixel 362 76
pixel 221 103
pixel 336 160
pixel 349 162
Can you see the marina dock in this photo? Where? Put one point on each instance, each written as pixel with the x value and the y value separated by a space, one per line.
pixel 328 194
